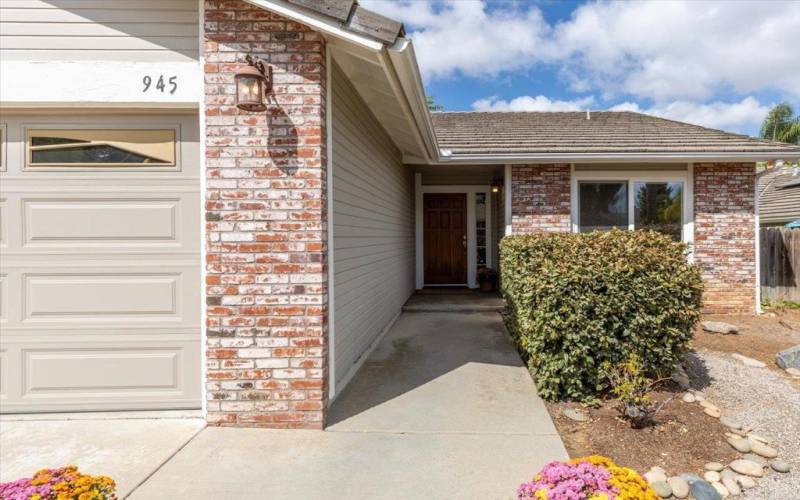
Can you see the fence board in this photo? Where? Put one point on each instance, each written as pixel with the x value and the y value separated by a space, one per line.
pixel 780 264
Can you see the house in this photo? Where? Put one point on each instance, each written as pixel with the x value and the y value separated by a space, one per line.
pixel 779 195
pixel 164 248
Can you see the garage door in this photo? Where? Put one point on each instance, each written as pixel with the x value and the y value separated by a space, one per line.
pixel 100 271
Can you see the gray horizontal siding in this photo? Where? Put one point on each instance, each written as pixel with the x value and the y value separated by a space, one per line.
pixel 373 228
pixel 126 30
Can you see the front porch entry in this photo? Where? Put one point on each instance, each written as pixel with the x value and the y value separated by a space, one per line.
pixel 456 227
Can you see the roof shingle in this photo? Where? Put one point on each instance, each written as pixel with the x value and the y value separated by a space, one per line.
pixel 488 133
pixel 779 195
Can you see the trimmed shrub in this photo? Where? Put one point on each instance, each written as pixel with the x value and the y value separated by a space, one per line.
pixel 576 301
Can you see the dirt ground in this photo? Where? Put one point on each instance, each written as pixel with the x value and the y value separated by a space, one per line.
pixel 683 437
pixel 759 337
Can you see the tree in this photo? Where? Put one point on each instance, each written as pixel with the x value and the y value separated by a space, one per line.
pixel 781 124
pixel 432 105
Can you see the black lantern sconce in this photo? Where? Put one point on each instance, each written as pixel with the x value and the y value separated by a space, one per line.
pixel 253 83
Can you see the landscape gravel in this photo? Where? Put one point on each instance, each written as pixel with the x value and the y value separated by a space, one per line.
pixel 761 399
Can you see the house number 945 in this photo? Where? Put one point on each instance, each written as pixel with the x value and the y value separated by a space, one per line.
pixel 160 84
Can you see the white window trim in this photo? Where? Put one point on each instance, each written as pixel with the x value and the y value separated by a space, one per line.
pixel 472 230
pixel 686 177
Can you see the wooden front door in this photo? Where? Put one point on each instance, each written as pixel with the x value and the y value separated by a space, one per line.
pixel 445 238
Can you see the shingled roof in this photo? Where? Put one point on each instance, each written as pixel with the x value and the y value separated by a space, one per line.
pixel 499 133
pixel 779 195
pixel 355 18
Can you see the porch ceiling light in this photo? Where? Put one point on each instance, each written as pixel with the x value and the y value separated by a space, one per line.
pixel 253 83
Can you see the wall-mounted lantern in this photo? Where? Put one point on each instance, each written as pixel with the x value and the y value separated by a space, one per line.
pixel 496 185
pixel 253 83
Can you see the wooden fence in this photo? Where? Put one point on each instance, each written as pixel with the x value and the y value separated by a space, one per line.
pixel 780 264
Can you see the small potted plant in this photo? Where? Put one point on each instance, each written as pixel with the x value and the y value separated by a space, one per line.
pixel 487 279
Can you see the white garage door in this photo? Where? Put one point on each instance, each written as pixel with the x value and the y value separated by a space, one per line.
pixel 100 271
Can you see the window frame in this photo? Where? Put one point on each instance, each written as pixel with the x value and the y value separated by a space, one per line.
pixel 29 129
pixel 632 177
pixel 3 147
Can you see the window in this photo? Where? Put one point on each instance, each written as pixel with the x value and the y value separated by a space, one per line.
pixel 101 148
pixel 603 205
pixel 2 147
pixel 480 225
pixel 658 206
pixel 636 202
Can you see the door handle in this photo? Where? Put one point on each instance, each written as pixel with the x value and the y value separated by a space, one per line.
pixel 464 241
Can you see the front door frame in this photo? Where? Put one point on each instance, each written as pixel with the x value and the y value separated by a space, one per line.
pixel 472 232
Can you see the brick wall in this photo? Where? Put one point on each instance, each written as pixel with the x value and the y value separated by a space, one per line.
pixel 724 235
pixel 540 198
pixel 266 224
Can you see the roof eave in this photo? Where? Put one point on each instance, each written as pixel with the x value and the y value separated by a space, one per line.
pixel 616 157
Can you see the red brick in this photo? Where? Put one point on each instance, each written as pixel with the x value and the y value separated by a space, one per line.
pixel 266 223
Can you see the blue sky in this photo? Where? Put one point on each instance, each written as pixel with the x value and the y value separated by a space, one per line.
pixel 718 64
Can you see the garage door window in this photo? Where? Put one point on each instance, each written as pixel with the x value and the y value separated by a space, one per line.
pixel 101 148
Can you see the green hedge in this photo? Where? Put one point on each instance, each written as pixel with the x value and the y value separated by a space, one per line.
pixel 577 300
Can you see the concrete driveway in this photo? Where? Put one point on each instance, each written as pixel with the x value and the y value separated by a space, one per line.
pixel 128 446
pixel 443 408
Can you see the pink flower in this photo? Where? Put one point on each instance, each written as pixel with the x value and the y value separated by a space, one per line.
pixel 562 481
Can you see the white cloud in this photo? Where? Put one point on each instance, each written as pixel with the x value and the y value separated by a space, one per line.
pixel 732 116
pixel 466 37
pixel 664 51
pixel 528 103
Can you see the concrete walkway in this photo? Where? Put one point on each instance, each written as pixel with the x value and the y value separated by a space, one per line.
pixel 443 408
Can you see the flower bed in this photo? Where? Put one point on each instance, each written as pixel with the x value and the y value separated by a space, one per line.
pixel 588 478
pixel 65 483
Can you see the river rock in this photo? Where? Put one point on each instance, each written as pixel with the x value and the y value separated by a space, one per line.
pixel 715 466
pixel 681 378
pixel 655 475
pixel 572 414
pixel 746 482
pixel 731 485
pixel 747 468
pixel 662 489
pixel 728 473
pixel 765 451
pixel 690 478
pixel 707 404
pixel 755 458
pixel 789 358
pixel 711 476
pixel 680 488
pixel 702 490
pixel 719 327
pixel 780 466
pixel 794 372
pixel 748 361
pixel 741 445
pixel 712 412
pixel 756 437
pixel 688 398
pixel 722 490
pixel 698 396
pixel 729 422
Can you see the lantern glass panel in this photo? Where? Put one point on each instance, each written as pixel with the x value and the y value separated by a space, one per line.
pixel 249 90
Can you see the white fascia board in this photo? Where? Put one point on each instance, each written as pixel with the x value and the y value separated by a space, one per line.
pixel 404 60
pixel 316 21
pixel 616 157
pixel 99 84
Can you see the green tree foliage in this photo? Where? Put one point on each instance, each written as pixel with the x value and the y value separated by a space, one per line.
pixel 781 124
pixel 432 105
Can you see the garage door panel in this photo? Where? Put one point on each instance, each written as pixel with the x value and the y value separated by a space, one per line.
pixel 101 221
pixel 102 297
pixel 100 370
